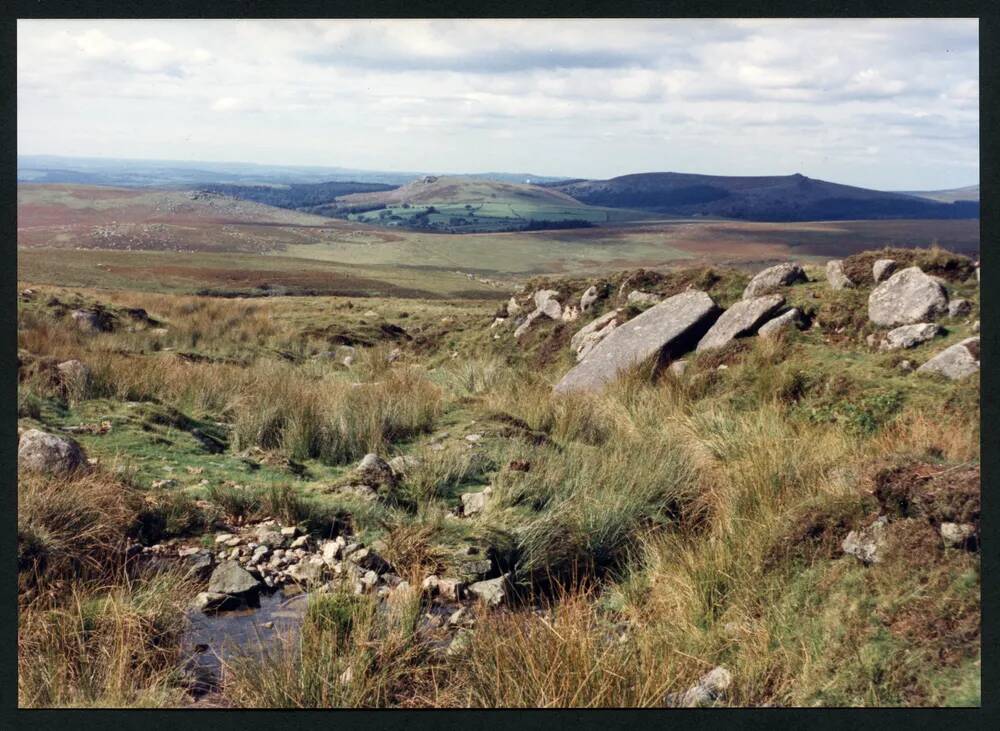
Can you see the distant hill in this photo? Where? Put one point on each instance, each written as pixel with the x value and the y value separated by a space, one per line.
pixel 765 198
pixel 186 174
pixel 968 193
pixel 467 204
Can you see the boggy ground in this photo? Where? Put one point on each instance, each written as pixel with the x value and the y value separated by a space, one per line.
pixel 665 527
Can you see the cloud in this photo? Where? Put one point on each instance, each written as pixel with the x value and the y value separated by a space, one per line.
pixel 589 98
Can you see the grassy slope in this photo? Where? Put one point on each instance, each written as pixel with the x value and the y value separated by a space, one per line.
pixel 705 513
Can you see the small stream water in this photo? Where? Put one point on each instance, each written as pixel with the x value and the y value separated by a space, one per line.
pixel 211 639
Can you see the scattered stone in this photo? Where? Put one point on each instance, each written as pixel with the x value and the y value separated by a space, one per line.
pixel 588 298
pixel 781 275
pixel 866 544
pixel 39 451
pixel 513 308
pixel 786 321
pixel 910 336
pixel 835 275
pixel 300 542
pixel 975 326
pixel 639 298
pixel 742 319
pixel 661 330
pixel 492 592
pixel 958 361
pixel 882 269
pixel 959 308
pixel 460 643
pixel 374 471
pixel 290 531
pixel 678 367
pixel 74 372
pixel 907 297
pixel 475 502
pixel 310 572
pixel 451 589
pixel 87 321
pixel 231 578
pixel 906 366
pixel 163 484
pixel 474 438
pixel 958 535
pixel 710 688
pixel 402 464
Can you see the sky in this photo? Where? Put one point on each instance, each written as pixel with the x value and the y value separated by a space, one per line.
pixel 888 104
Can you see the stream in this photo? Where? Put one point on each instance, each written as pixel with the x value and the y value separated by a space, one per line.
pixel 211 639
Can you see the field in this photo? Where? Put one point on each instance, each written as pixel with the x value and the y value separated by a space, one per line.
pixel 665 527
pixel 169 241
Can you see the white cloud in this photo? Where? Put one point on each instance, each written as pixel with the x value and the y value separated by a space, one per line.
pixel 585 98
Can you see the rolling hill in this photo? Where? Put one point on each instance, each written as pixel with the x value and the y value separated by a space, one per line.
pixel 968 193
pixel 463 204
pixel 764 198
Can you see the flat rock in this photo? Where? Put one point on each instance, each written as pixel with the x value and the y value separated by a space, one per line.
pixel 39 451
pixel 835 275
pixel 909 296
pixel 958 361
pixel 781 275
pixel 742 319
pixel 882 269
pixel 231 578
pixel 910 336
pixel 786 321
pixel 667 329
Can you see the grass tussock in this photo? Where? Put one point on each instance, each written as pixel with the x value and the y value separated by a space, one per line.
pixel 103 646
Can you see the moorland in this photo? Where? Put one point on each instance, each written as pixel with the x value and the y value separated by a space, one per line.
pixel 270 458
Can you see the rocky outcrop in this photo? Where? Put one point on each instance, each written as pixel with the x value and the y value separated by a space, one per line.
pixel 835 275
pixel 958 535
pixel 742 319
pixel 39 451
pixel 781 275
pixel 910 336
pixel 667 329
pixel 792 319
pixel 592 333
pixel 545 305
pixel 882 269
pixel 959 361
pixel 909 296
